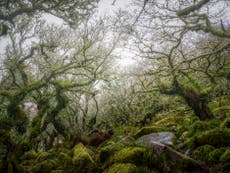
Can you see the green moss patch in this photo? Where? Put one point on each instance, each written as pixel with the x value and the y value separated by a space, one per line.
pixel 217 138
pixel 202 152
pixel 122 168
pixel 129 155
pixel 150 129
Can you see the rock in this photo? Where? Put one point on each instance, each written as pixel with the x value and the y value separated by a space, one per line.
pixel 110 148
pixel 161 137
pixel 129 155
pixel 147 130
pixel 216 138
pixel 167 159
pixel 122 168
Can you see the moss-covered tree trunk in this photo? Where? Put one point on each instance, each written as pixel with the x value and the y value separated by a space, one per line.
pixel 196 101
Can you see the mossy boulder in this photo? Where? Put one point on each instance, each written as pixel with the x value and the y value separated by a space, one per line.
pixel 82 158
pixel 201 126
pixel 217 138
pixel 202 152
pixel 149 129
pixel 129 155
pixel 122 168
pixel 166 159
pixel 150 139
pixel 225 158
pixel 214 156
pixel 112 147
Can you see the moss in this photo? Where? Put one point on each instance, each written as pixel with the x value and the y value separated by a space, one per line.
pixel 29 155
pixel 170 121
pixel 41 156
pixel 111 147
pixel 122 168
pixel 202 152
pixel 64 159
pixel 215 155
pixel 129 155
pixel 147 130
pixel 45 166
pixel 201 126
pixel 169 160
pixel 226 123
pixel 225 158
pixel 216 138
pixel 81 157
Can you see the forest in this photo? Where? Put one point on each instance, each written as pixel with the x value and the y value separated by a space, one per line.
pixel 96 86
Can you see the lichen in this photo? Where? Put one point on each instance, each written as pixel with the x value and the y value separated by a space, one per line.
pixel 122 168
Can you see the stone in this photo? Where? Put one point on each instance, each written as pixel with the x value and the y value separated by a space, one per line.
pixel 161 137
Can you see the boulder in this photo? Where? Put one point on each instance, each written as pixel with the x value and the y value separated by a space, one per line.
pixel 166 159
pixel 111 147
pixel 82 158
pixel 133 155
pixel 161 137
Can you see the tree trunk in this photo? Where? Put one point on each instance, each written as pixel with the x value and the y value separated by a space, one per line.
pixel 197 102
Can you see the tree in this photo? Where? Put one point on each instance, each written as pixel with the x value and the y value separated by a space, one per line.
pixel 70 11
pixel 165 32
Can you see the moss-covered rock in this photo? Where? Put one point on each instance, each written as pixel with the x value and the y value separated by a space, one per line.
pixel 202 152
pixel 110 148
pixel 82 158
pixel 214 156
pixel 149 129
pixel 216 138
pixel 225 158
pixel 201 126
pixel 122 168
pixel 167 159
pixel 129 155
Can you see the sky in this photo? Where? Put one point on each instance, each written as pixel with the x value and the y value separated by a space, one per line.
pixel 105 7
